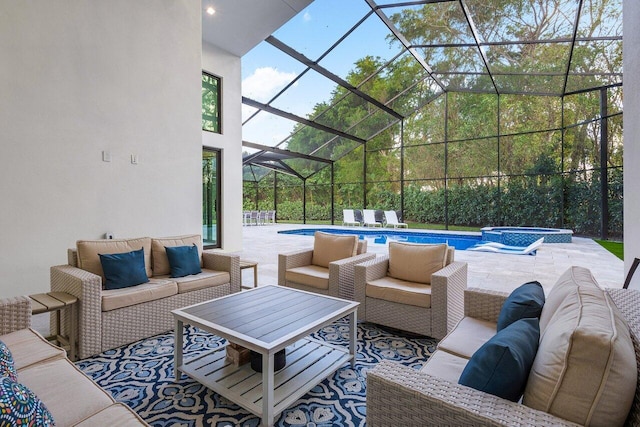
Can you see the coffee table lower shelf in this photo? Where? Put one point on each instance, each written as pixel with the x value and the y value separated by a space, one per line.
pixel 308 362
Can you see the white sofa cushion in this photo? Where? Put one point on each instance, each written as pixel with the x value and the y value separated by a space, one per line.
pixel 153 290
pixel 468 336
pixel 69 395
pixel 29 347
pixel 585 367
pixel 445 365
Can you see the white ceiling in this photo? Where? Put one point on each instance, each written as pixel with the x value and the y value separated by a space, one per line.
pixel 239 25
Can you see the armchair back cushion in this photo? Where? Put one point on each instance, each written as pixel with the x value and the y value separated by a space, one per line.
pixel 585 368
pixel 332 247
pixel 159 258
pixel 89 250
pixel 416 262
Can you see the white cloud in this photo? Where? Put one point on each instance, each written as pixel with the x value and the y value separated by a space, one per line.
pixel 264 83
pixel 306 17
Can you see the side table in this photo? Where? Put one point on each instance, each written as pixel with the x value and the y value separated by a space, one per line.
pixel 58 301
pixel 249 264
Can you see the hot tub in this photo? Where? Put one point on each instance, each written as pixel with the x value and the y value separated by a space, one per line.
pixel 524 236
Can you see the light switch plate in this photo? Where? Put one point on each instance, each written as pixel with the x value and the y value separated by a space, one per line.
pixel 106 156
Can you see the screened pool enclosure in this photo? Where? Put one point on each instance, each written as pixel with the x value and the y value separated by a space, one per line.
pixel 465 112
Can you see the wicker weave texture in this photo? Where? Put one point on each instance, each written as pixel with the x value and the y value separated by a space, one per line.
pixel 99 331
pixel 628 301
pixel 139 321
pixel 15 314
pixel 341 272
pixel 401 396
pixel 447 300
pixel 483 304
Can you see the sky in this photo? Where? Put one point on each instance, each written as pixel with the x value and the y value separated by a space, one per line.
pixel 266 70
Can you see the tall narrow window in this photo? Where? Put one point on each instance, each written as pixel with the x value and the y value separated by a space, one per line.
pixel 211 103
pixel 211 198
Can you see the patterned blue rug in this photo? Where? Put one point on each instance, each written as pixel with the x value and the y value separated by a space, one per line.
pixel 141 376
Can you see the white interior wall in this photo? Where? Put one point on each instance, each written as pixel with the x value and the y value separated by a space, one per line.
pixel 227 66
pixel 631 59
pixel 79 77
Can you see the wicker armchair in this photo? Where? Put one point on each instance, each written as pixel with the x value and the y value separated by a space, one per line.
pixel 400 395
pixel 434 319
pixel 301 270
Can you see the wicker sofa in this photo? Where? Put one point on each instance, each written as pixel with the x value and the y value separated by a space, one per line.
pixel 112 318
pixel 69 395
pixel 597 385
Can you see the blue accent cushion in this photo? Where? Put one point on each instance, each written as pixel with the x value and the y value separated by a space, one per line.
pixel 20 407
pixel 183 260
pixel 7 367
pixel 124 270
pixel 525 301
pixel 501 366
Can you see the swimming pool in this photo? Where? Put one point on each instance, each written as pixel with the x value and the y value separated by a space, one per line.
pixel 381 237
pixel 524 236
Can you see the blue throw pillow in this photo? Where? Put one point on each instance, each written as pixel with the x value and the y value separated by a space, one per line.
pixel 7 367
pixel 20 407
pixel 183 260
pixel 501 366
pixel 526 301
pixel 124 270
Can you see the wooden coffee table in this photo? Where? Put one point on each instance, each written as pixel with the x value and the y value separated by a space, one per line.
pixel 266 320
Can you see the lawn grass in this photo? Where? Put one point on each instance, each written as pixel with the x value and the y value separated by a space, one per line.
pixel 616 248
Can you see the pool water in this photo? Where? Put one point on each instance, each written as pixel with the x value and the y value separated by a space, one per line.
pixel 382 237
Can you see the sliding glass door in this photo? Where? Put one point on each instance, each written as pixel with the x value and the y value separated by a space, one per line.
pixel 211 198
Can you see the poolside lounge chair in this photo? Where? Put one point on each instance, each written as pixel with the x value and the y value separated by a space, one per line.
pixel 357 213
pixel 348 217
pixel 392 219
pixel 505 249
pixel 370 218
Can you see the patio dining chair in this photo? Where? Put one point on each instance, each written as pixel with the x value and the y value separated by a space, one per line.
pixel 416 288
pixel 327 268
pixel 348 217
pixel 392 219
pixel 369 219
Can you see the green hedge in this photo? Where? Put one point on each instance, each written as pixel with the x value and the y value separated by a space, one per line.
pixel 538 201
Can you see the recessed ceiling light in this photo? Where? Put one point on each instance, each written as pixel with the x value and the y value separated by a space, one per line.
pixel 211 10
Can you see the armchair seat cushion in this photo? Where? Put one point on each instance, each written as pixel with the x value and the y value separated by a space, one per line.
pixel 153 290
pixel 467 337
pixel 400 291
pixel 205 279
pixel 445 365
pixel 309 275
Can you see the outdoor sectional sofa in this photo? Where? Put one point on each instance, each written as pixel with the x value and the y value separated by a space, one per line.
pixel 114 317
pixel 69 395
pixel 585 370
